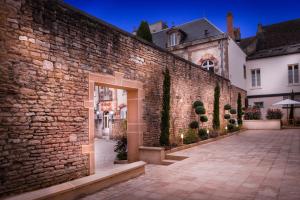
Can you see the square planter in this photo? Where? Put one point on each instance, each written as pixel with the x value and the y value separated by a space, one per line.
pixel 152 155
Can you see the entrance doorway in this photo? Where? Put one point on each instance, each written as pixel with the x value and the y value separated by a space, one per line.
pixel 134 110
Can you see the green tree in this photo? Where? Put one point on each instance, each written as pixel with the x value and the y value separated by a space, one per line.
pixel 239 109
pixel 144 31
pixel 165 113
pixel 216 116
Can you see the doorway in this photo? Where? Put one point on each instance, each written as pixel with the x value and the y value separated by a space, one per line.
pixel 135 123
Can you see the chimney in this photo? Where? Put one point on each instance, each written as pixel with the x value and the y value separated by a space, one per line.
pixel 237 34
pixel 259 28
pixel 230 30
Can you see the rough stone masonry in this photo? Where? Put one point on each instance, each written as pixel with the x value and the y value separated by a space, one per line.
pixel 47 50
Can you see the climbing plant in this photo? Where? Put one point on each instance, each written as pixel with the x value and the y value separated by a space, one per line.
pixel 165 113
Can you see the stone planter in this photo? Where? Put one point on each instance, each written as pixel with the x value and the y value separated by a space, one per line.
pixel 152 155
pixel 121 162
pixel 262 124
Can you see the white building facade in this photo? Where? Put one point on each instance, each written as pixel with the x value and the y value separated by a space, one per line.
pixel 272 66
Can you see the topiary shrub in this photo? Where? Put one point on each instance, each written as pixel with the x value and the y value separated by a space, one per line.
pixel 230 127
pixel 232 111
pixel 227 107
pixel 197 103
pixel 190 137
pixel 165 113
pixel 216 114
pixel 227 116
pixel 213 134
pixel 203 118
pixel 200 110
pixel 202 133
pixel 274 114
pixel 231 121
pixel 194 125
pixel 239 109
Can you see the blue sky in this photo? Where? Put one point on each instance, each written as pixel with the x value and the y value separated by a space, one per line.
pixel 247 13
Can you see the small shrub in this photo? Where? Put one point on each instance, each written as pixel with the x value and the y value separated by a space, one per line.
pixel 213 134
pixel 240 121
pixel 197 103
pixel 232 111
pixel 203 118
pixel 274 114
pixel 231 121
pixel 230 127
pixel 194 125
pixel 252 114
pixel 227 116
pixel 190 137
pixel 200 110
pixel 202 133
pixel 121 148
pixel 227 107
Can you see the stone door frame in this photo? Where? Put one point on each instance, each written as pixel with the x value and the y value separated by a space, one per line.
pixel 135 124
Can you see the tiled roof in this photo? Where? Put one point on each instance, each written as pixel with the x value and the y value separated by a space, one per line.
pixel 274 40
pixel 281 34
pixel 194 30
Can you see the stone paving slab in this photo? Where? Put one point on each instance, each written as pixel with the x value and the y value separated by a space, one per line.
pixel 252 165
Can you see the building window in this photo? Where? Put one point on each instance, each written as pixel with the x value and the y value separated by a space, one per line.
pixel 245 72
pixel 255 78
pixel 173 39
pixel 293 74
pixel 209 65
pixel 259 104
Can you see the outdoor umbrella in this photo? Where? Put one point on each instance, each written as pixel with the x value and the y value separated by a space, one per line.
pixel 287 102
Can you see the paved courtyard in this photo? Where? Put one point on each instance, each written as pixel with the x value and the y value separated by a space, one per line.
pixel 252 165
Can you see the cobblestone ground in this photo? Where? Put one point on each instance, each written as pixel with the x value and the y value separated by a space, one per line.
pixel 252 165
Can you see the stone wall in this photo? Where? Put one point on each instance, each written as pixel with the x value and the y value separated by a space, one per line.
pixel 47 50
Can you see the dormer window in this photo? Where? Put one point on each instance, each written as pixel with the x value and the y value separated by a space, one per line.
pixel 173 39
pixel 209 65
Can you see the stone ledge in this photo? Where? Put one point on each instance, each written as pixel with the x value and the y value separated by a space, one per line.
pixel 86 185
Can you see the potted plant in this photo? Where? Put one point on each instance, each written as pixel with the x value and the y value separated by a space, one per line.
pixel 121 150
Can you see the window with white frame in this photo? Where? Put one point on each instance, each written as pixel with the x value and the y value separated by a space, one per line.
pixel 255 78
pixel 293 74
pixel 209 65
pixel 173 39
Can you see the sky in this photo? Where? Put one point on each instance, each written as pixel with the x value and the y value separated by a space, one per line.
pixel 127 14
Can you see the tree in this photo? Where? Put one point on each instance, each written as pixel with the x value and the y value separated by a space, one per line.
pixel 216 116
pixel 144 31
pixel 239 109
pixel 165 113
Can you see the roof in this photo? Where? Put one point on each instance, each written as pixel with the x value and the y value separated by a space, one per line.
pixel 278 51
pixel 281 34
pixel 274 40
pixel 194 30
